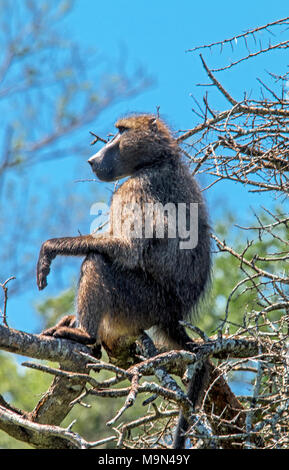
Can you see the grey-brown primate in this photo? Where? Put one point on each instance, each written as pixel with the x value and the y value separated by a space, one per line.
pixel 131 283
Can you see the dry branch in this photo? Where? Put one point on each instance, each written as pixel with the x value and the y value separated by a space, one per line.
pixel 68 384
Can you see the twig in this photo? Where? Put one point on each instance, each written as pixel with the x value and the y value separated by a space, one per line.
pixel 5 289
pixel 97 139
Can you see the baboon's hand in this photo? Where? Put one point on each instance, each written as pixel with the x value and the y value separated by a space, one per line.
pixel 43 267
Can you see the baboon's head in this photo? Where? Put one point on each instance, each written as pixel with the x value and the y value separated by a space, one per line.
pixel 141 141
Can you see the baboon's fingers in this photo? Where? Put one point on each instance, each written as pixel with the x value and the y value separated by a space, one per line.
pixel 43 269
pixel 42 284
pixel 48 332
pixel 41 281
pixel 68 320
pixel 74 334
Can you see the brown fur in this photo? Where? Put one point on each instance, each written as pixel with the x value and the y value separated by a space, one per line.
pixel 128 285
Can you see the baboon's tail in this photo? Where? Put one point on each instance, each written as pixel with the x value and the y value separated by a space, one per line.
pixel 195 394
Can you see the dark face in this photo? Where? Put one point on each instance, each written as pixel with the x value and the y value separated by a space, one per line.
pixel 106 163
pixel 139 143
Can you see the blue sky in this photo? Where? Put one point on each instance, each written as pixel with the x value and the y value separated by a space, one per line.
pixel 155 34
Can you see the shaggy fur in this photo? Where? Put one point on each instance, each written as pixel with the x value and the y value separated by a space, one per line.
pixel 127 284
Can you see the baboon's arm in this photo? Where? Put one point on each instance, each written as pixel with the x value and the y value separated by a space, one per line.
pixel 123 251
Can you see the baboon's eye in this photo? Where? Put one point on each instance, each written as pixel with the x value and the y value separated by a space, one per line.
pixel 122 129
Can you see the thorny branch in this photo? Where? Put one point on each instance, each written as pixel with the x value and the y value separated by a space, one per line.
pixel 247 143
pixel 75 378
pixel 5 290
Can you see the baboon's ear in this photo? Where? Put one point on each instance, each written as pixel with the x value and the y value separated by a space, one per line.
pixel 153 124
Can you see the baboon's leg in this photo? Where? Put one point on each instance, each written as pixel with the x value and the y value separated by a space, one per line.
pixel 94 293
pixel 93 300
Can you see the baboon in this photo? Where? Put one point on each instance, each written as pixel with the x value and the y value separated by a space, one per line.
pixel 131 283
